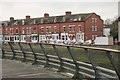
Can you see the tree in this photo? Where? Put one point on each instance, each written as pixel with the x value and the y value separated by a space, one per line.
pixel 113 23
pixel 114 29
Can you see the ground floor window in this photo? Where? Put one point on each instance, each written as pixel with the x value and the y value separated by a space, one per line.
pixel 16 37
pixel 23 37
pixel 7 38
pixel 42 37
pixel 93 37
pixel 55 36
pixel 64 37
pixel 34 38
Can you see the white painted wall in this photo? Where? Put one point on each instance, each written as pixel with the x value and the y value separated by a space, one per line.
pixel 106 32
pixel 23 38
pixel 17 38
pixel 55 36
pixel 101 41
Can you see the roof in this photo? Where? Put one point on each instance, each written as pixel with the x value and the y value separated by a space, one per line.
pixel 52 19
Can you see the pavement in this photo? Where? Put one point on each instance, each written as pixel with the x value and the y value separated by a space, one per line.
pixel 17 69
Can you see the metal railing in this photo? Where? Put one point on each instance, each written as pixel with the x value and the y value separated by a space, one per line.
pixel 69 63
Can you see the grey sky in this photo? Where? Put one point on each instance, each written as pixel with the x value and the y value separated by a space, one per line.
pixel 106 9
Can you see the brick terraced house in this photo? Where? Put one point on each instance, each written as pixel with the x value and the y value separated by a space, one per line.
pixel 65 27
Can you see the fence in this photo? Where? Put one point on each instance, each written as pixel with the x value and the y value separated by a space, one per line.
pixel 78 60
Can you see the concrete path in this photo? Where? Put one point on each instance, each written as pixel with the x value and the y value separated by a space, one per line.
pixel 17 69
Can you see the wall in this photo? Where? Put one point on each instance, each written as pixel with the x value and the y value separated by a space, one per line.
pixel 89 24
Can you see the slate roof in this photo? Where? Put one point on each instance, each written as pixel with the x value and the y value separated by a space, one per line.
pixel 51 19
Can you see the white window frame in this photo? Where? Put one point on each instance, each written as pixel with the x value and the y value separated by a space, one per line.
pixel 96 28
pixel 55 29
pixel 6 30
pixel 71 28
pixel 94 20
pixel 93 37
pixel 79 28
pixel 93 28
pixel 64 28
pixel 42 29
pixel 18 31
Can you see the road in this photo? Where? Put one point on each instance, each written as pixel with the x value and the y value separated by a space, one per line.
pixel 17 69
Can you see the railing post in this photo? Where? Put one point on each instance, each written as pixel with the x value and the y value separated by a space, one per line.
pixel 11 47
pixel 59 57
pixel 94 64
pixel 114 63
pixel 35 58
pixel 45 54
pixel 3 52
pixel 24 55
pixel 76 75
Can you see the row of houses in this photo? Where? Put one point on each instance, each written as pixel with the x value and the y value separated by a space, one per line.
pixel 84 26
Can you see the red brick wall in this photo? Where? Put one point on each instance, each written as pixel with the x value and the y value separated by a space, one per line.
pixel 72 23
pixel 89 24
pixel 59 27
pixel 86 27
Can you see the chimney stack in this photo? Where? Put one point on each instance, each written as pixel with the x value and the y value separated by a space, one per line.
pixel 46 15
pixel 11 18
pixel 27 17
pixel 68 13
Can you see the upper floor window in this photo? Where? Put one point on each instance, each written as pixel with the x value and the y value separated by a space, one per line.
pixel 55 29
pixel 42 29
pixel 23 31
pixel 16 30
pixel 34 30
pixel 72 28
pixel 64 29
pixel 11 30
pixel 79 28
pixel 47 29
pixel 94 28
pixel 94 20
pixel 6 31
pixel 28 30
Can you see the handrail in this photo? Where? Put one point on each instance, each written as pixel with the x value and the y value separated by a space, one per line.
pixel 78 68
pixel 76 46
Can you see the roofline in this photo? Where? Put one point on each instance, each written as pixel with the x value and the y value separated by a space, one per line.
pixel 95 14
pixel 54 16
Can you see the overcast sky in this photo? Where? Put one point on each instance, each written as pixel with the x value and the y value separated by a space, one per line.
pixel 107 9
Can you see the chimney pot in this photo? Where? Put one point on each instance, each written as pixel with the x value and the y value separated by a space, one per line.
pixel 11 18
pixel 46 15
pixel 68 13
pixel 27 17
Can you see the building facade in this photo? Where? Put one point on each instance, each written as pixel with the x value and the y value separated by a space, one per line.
pixel 66 27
